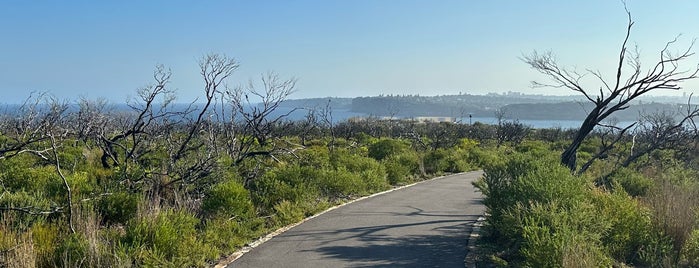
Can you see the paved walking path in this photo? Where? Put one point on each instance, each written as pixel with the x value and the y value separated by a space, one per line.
pixel 425 225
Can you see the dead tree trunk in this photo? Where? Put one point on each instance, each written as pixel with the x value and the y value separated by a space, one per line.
pixel 614 96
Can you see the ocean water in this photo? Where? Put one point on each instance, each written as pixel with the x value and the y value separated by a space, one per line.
pixel 340 115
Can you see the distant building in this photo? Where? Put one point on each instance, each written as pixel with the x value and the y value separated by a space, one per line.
pixel 420 119
pixel 435 119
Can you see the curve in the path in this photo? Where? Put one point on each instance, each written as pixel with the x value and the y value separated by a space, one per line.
pixel 425 225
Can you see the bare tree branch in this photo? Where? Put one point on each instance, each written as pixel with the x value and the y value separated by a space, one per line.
pixel 665 74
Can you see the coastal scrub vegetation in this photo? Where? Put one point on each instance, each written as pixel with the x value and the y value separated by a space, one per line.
pixel 160 183
pixel 616 196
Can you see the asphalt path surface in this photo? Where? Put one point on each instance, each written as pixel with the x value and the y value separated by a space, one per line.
pixel 425 225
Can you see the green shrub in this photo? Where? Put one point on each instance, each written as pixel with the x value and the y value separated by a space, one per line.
pixel 657 252
pixel 387 147
pixel 45 237
pixel 374 178
pixel 523 179
pixel 558 236
pixel 634 183
pixel 169 238
pixel 448 160
pixel 314 156
pixel 290 183
pixel 400 167
pixel 630 225
pixel 485 157
pixel 22 177
pixel 372 173
pixel 34 201
pixel 227 234
pixel 690 254
pixel 287 213
pixel 72 251
pixel 436 161
pixel 536 208
pixel 339 183
pixel 118 207
pixel 228 199
pixel 533 148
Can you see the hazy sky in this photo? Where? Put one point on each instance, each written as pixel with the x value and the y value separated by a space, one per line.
pixel 107 49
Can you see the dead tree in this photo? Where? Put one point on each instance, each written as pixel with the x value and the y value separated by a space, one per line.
pixel 91 120
pixel 615 95
pixel 326 116
pixel 609 135
pixel 38 122
pixel 23 130
pixel 188 162
pixel 258 112
pixel 662 130
pixel 215 70
pixel 150 108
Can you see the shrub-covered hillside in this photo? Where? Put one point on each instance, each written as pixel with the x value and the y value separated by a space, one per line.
pixel 85 186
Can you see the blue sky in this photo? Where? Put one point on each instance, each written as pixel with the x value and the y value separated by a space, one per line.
pixel 108 49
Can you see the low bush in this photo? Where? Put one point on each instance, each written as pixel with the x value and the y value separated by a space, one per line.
pixel 72 251
pixel 543 216
pixel 630 226
pixel 169 238
pixel 690 253
pixel 387 147
pixel 401 167
pixel 436 161
pixel 372 173
pixel 228 199
pixel 521 181
pixel 634 183
pixel 291 183
pixel 119 207
pixel 227 235
pixel 557 235
pixel 287 212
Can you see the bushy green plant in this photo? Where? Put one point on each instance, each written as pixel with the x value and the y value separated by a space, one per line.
pixel 401 167
pixel 24 200
pixel 557 235
pixel 522 180
pixel 118 207
pixel 630 226
pixel 449 160
pixel 634 183
pixel 387 147
pixel 72 251
pixel 227 234
pixel 287 212
pixel 20 174
pixel 339 183
pixel 690 254
pixel 436 161
pixel 169 238
pixel 228 199
pixel 482 158
pixel 291 183
pixel 45 237
pixel 541 212
pixel 372 173
pixel 314 156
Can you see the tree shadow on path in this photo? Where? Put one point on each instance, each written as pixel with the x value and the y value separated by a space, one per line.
pixel 445 246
